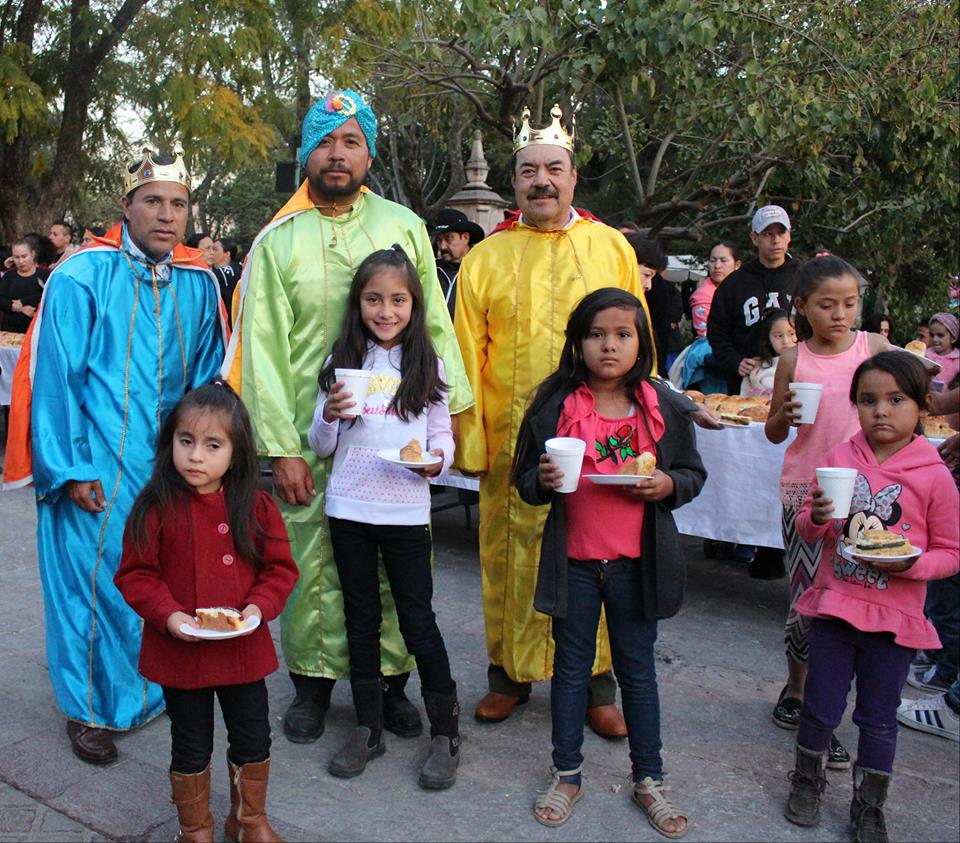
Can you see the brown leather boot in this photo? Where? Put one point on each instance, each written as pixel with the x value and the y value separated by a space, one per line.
pixel 248 821
pixel 191 795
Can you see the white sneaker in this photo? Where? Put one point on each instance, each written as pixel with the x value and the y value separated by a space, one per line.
pixel 932 715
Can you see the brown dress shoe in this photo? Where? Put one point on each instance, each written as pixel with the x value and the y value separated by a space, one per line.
pixel 494 707
pixel 607 721
pixel 95 746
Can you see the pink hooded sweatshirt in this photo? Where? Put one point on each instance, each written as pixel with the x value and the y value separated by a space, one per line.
pixel 911 493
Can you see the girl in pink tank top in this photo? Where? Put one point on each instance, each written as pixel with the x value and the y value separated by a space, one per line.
pixel 825 307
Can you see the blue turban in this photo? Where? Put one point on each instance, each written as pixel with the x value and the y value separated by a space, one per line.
pixel 331 113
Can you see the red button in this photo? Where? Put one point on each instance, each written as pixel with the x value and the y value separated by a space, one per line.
pixel 223 529
pixel 227 559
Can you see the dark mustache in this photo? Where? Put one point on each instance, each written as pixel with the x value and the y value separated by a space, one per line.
pixel 336 169
pixel 542 193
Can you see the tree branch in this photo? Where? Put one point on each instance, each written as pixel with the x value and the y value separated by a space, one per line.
pixel 657 161
pixel 628 141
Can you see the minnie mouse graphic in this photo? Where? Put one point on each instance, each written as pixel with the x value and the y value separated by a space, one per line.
pixel 867 512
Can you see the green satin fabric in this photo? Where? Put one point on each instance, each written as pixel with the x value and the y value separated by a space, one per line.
pixel 294 305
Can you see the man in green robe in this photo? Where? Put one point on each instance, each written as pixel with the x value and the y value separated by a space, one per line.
pixel 290 308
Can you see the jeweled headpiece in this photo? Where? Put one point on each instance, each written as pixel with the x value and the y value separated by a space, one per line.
pixel 147 170
pixel 552 135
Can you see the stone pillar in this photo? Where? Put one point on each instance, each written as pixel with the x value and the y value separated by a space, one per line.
pixel 477 200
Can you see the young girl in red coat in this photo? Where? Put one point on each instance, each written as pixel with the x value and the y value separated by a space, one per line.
pixel 201 535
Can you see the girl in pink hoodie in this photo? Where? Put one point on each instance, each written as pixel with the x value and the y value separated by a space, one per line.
pixel 866 617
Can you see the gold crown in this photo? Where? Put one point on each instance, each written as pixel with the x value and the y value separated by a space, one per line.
pixel 147 170
pixel 552 135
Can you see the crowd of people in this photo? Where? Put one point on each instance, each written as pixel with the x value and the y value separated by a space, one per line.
pixel 157 375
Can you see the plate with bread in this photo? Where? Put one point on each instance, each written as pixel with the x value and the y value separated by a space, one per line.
pixel 936 428
pixel 628 473
pixel 919 348
pixel 879 546
pixel 410 455
pixel 219 622
pixel 733 410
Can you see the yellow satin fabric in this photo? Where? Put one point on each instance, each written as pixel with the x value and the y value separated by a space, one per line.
pixel 516 291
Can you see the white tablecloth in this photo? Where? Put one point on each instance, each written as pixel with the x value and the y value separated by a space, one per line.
pixel 740 502
pixel 8 362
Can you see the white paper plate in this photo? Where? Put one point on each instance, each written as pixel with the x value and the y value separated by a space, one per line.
pixel 726 423
pixel 393 455
pixel 935 441
pixel 847 552
pixel 216 634
pixel 617 479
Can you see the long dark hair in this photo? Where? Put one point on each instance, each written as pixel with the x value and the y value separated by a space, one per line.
pixel 905 368
pixel 572 370
pixel 420 382
pixel 166 487
pixel 812 274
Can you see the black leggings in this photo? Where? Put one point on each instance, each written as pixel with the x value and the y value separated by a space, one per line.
pixel 405 551
pixel 245 713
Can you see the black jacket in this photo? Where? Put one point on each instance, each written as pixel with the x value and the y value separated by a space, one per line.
pixel 28 289
pixel 662 561
pixel 733 327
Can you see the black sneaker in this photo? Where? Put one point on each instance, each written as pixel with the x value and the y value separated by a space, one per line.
pixel 837 757
pixel 767 564
pixel 400 716
pixel 304 720
pixel 786 713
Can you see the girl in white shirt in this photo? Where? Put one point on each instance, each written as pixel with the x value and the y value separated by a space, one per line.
pixel 381 510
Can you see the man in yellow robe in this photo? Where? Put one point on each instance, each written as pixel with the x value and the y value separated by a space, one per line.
pixel 517 289
pixel 291 302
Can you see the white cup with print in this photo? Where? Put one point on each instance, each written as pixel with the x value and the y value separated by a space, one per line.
pixel 356 382
pixel 808 394
pixel 837 484
pixel 567 454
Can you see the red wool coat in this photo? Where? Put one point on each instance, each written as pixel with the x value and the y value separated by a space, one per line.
pixel 191 562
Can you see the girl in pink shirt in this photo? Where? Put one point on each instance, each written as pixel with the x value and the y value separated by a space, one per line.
pixel 825 306
pixel 866 614
pixel 944 332
pixel 610 548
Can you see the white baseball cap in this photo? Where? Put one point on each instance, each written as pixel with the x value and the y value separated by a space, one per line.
pixel 768 215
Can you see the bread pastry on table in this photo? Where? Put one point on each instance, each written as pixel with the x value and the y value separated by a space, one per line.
pixel 917 347
pixel 694 395
pixel 756 412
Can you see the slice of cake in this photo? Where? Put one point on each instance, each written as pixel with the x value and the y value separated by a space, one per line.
pixel 220 619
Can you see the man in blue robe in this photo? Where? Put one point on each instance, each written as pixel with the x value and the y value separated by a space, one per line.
pixel 124 329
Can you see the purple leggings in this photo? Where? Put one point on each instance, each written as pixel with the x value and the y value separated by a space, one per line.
pixel 838 651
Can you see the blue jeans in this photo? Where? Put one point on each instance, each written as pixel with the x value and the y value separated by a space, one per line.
pixel 615 586
pixel 943 609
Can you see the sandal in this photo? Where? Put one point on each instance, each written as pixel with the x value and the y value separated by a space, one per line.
pixel 556 800
pixel 786 713
pixel 661 809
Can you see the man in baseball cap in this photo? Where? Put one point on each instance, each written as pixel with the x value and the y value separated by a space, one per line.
pixel 733 327
pixel 767 216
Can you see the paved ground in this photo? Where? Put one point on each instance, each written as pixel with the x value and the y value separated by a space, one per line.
pixel 720 668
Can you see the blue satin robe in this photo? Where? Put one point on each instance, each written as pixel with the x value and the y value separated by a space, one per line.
pixel 115 353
